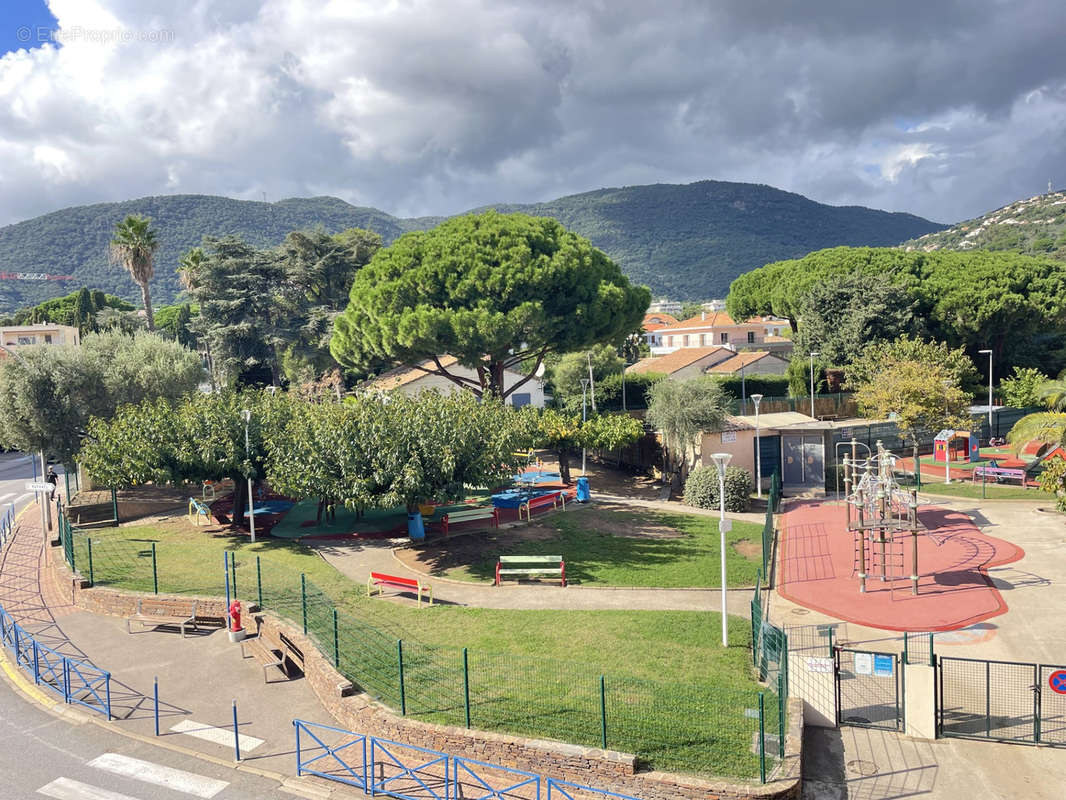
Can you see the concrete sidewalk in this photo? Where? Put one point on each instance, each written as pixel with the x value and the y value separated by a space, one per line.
pixel 199 677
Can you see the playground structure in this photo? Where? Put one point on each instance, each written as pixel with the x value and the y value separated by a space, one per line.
pixel 884 514
pixel 944 449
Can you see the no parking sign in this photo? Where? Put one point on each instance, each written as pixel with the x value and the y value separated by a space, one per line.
pixel 1057 681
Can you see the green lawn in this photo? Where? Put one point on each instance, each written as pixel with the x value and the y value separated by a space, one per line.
pixel 604 547
pixel 674 696
pixel 992 491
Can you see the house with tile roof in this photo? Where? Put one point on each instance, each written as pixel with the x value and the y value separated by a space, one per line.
pixel 706 329
pixel 654 321
pixel 751 361
pixel 687 362
pixel 414 379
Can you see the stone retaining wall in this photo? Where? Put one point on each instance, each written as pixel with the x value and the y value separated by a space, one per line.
pixel 357 712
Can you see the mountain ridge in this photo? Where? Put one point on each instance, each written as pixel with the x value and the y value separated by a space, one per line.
pixel 685 240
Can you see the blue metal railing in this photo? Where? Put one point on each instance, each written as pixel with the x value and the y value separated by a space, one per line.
pixel 381 766
pixel 76 681
pixel 7 523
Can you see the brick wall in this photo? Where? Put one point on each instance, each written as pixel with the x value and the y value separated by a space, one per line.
pixel 358 712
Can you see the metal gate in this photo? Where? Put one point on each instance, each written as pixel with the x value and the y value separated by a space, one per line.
pixel 1006 701
pixel 867 688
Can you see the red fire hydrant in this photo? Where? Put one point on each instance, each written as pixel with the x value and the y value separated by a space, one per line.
pixel 235 616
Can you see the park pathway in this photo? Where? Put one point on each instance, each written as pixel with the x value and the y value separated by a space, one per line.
pixel 356 559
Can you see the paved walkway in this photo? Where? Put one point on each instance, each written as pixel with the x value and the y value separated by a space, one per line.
pixel 356 559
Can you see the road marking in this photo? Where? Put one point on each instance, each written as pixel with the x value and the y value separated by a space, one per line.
pixel 23 497
pixel 10 494
pixel 209 733
pixel 177 779
pixel 67 789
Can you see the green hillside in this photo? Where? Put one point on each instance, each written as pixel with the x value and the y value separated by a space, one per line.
pixel 688 242
pixel 1035 227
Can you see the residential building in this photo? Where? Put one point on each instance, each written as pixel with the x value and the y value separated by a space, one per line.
pixel 664 306
pixel 654 321
pixel 684 363
pixel 14 336
pixel 412 380
pixel 751 362
pixel 714 305
pixel 706 329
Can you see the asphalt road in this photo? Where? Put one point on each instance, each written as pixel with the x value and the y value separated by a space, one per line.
pixel 16 470
pixel 42 755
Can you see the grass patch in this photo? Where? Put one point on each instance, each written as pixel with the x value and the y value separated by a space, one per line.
pixel 606 547
pixel 992 491
pixel 674 696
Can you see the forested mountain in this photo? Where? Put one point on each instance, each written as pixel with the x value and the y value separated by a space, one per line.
pixel 1035 227
pixel 685 241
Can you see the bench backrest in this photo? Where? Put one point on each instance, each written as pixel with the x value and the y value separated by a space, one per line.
pixel 291 646
pixel 470 513
pixel 197 505
pixel 531 560
pixel 1004 471
pixel 150 606
pixel 544 498
pixel 381 576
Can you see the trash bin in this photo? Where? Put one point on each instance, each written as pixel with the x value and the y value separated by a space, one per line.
pixel 415 529
pixel 582 490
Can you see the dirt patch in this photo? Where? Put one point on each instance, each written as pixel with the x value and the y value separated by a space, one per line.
pixel 607 479
pixel 638 527
pixel 749 549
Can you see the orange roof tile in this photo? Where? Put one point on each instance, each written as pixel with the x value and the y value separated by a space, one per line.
pixel 677 360
pixel 401 376
pixel 706 319
pixel 734 364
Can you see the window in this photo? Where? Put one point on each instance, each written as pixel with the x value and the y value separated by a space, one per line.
pixel 48 338
pixel 685 341
pixel 724 338
pixel 669 341
pixel 519 399
pixel 27 340
pixel 751 337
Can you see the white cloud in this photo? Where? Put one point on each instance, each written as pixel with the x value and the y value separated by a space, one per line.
pixel 430 107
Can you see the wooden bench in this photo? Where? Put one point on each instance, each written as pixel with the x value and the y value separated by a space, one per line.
pixel 553 499
pixel 380 579
pixel 159 613
pixel 559 567
pixel 469 515
pixel 999 474
pixel 197 510
pixel 278 650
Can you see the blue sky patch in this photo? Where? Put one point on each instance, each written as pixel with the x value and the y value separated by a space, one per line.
pixel 25 24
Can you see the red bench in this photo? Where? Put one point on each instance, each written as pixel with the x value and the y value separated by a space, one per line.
pixel 380 579
pixel 553 499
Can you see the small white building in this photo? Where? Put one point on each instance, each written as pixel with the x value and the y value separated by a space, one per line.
pixel 412 380
pixel 14 336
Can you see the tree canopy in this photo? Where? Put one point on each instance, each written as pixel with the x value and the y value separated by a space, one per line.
pixel 134 246
pixel 977 299
pixel 682 411
pixel 494 290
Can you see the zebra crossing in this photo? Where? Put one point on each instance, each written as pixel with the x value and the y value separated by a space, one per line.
pixel 176 780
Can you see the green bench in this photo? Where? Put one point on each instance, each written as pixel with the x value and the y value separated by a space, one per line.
pixel 547 565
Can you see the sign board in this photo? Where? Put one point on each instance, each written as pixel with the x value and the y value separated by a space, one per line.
pixel 38 487
pixel 864 663
pixel 729 436
pixel 1057 681
pixel 884 666
pixel 725 525
pixel 819 664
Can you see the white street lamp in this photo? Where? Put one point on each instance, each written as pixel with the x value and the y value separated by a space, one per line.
pixel 720 461
pixel 584 387
pixel 989 390
pixel 812 382
pixel 247 414
pixel 757 398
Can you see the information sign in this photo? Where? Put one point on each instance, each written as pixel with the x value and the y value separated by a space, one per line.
pixel 864 663
pixel 883 666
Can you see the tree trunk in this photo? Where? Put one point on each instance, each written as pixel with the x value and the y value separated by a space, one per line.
pixel 496 378
pixel 240 499
pixel 146 297
pixel 564 464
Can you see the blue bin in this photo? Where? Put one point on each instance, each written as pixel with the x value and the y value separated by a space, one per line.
pixel 415 528
pixel 582 490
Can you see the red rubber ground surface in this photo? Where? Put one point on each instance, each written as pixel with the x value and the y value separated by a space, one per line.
pixel 817 557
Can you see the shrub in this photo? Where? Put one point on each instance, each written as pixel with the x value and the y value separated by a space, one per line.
pixel 701 488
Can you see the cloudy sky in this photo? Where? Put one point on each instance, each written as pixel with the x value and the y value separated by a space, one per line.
pixel 944 108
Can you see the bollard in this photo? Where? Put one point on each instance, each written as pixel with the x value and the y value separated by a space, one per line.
pixel 155 695
pixel 236 735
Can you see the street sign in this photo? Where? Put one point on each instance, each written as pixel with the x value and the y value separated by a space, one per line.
pixel 1057 681
pixel 38 487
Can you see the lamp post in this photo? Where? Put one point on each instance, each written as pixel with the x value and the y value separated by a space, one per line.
pixel 812 382
pixel 720 461
pixel 46 509
pixel 584 386
pixel 247 414
pixel 756 399
pixel 989 390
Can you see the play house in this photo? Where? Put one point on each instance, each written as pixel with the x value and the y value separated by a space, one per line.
pixel 956 446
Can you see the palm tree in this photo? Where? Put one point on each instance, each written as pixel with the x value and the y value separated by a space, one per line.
pixel 1048 427
pixel 1053 393
pixel 134 247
